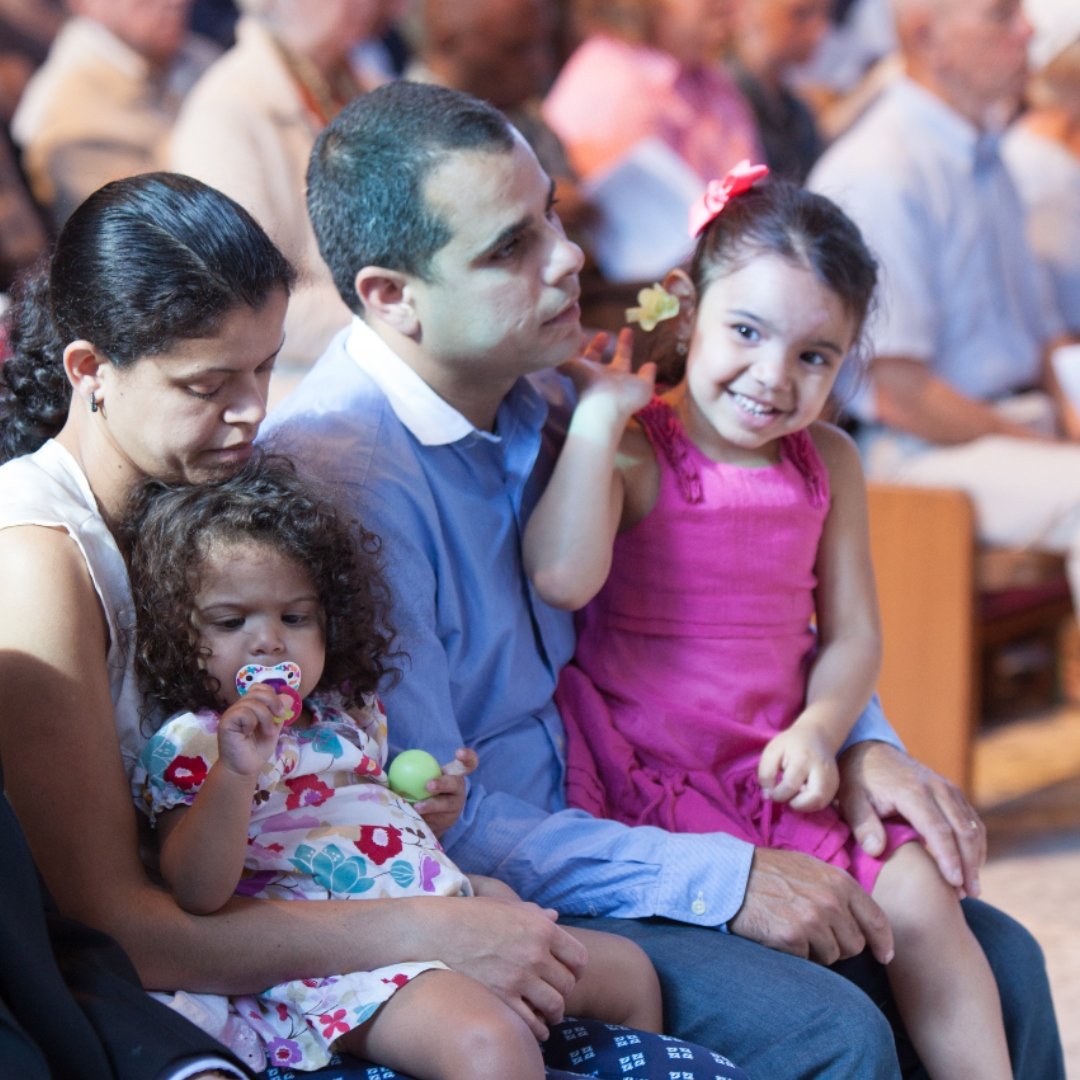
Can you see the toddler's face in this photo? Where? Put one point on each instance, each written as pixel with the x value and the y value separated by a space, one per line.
pixel 767 345
pixel 255 606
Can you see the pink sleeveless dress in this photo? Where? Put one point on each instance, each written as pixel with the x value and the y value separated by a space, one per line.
pixel 696 652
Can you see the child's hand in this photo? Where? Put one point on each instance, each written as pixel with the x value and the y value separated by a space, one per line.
pixel 493 887
pixel 447 792
pixel 807 761
pixel 249 728
pixel 615 382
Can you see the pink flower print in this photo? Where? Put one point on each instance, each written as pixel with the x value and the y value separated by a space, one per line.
pixel 253 883
pixel 398 980
pixel 283 822
pixel 430 869
pixel 282 1011
pixel 283 1051
pixel 334 1024
pixel 307 791
pixel 186 772
pixel 379 842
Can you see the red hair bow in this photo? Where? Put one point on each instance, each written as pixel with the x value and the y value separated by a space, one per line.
pixel 741 178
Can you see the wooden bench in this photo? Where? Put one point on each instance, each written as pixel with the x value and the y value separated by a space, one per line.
pixel 947 605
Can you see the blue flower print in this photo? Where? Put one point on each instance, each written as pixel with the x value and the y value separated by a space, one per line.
pixel 338 873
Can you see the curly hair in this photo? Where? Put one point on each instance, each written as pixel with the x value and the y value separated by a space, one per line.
pixel 169 531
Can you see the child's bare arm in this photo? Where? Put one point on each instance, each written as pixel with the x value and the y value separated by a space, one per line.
pixel 845 670
pixel 203 845
pixel 567 544
pixel 493 887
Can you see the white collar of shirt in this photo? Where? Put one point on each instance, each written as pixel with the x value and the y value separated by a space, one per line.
pixel 432 420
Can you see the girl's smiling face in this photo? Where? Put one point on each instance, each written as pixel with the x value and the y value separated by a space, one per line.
pixel 256 606
pixel 767 344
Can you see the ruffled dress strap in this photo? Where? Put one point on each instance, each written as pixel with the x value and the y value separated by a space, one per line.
pixel 667 436
pixel 799 449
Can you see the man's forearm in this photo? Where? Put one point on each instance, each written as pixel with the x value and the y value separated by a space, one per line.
pixel 910 398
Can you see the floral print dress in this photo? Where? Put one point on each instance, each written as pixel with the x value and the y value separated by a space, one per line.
pixel 324 825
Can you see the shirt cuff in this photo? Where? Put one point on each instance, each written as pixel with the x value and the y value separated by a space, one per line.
pixel 704 878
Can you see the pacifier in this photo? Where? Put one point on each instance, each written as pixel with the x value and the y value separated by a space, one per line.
pixel 284 678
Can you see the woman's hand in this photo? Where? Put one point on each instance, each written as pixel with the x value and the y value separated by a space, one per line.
pixel 447 792
pixel 516 949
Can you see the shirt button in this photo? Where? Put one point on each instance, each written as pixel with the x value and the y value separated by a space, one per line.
pixel 699 907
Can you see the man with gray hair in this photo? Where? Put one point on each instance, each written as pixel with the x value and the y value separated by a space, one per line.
pixel 963 391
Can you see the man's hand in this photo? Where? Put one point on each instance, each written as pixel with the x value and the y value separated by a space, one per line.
pixel 801 905
pixel 878 780
pixel 517 951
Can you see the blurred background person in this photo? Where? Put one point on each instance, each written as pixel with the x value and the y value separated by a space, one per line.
pixel 104 101
pixel 649 115
pixel 27 29
pixel 1042 148
pixel 960 394
pixel 772 37
pixel 248 127
pixel 502 51
pixel 650 69
pixel 857 58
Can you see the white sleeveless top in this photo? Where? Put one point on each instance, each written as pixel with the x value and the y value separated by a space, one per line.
pixel 49 488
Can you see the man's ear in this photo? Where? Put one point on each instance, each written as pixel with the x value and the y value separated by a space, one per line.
pixel 87 371
pixel 678 283
pixel 388 297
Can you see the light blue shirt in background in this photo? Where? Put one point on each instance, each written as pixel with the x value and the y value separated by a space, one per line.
pixel 959 286
pixel 450 503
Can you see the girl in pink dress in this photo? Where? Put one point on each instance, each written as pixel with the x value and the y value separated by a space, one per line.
pixel 715 538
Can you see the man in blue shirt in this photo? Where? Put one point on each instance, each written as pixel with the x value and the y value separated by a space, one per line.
pixel 436 416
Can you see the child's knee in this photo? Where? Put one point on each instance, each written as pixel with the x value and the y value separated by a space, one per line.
pixel 492 1035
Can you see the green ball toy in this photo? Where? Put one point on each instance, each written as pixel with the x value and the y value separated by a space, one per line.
pixel 409 773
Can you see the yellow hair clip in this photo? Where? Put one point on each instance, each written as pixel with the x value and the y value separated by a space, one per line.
pixel 655 305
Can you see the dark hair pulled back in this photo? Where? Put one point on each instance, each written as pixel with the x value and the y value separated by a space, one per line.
pixel 143 263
